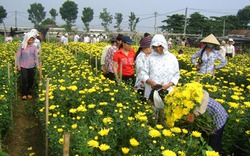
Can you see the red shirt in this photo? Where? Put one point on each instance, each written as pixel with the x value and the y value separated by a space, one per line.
pixel 127 61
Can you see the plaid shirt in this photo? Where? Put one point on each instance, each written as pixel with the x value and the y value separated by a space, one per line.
pixel 218 112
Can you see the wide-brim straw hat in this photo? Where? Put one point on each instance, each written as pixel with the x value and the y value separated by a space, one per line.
pixel 210 39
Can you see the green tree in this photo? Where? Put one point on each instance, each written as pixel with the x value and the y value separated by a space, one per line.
pixel 36 13
pixel 48 21
pixel 118 18
pixel 232 22
pixel 216 25
pixel 87 17
pixel 69 11
pixel 198 24
pixel 174 23
pixel 244 17
pixel 106 19
pixel 133 21
pixel 3 14
pixel 53 14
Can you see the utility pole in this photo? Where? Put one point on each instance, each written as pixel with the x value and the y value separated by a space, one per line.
pixel 155 26
pixel 15 19
pixel 185 26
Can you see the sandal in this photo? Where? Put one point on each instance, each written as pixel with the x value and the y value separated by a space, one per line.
pixel 24 97
pixel 29 96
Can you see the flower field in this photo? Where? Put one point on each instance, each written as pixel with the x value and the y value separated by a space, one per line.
pixel 103 118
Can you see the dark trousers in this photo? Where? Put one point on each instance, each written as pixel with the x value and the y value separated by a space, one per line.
pixel 229 55
pixel 140 93
pixel 129 79
pixel 111 76
pixel 215 140
pixel 28 76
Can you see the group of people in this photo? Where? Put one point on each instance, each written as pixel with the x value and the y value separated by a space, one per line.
pixel 157 71
pixel 227 49
pixel 63 38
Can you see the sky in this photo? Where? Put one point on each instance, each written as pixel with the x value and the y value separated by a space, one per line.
pixel 150 12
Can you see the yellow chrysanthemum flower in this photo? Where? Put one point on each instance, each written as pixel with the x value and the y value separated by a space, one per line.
pixel 103 132
pixel 167 133
pixel 168 153
pixel 93 143
pixel 196 134
pixel 104 147
pixel 212 153
pixel 134 142
pixel 125 150
pixel 154 133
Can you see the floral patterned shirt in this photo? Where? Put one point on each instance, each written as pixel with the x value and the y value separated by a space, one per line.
pixel 208 60
pixel 109 58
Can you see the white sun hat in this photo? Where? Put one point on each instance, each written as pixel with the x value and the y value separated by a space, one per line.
pixel 231 40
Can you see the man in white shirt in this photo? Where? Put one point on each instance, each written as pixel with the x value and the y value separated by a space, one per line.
pixel 76 38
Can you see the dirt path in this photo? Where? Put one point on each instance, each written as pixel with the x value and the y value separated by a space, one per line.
pixel 26 138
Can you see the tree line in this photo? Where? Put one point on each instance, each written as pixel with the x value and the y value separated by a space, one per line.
pixel 195 24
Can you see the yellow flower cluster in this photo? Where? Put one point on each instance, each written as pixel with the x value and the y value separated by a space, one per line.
pixel 181 101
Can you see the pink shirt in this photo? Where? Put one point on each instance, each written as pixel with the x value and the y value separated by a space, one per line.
pixel 27 58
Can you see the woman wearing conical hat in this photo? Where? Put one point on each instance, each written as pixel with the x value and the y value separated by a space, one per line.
pixel 208 56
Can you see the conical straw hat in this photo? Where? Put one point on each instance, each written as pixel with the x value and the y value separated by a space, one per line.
pixel 211 39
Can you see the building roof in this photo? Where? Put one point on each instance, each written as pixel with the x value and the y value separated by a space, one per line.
pixel 239 32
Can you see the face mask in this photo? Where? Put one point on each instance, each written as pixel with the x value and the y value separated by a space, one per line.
pixel 210 45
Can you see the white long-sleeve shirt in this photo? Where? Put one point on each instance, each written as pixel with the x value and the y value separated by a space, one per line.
pixel 139 64
pixel 230 50
pixel 162 69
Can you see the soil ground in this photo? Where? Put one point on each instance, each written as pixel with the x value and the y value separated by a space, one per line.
pixel 25 138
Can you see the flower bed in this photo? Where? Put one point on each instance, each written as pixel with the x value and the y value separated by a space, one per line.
pixel 107 119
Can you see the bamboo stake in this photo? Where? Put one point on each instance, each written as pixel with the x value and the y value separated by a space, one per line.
pixel 120 71
pixel 0 144
pixel 96 64
pixel 15 70
pixel 11 109
pixel 76 51
pixel 47 117
pixel 90 57
pixel 40 63
pixel 66 144
pixel 9 72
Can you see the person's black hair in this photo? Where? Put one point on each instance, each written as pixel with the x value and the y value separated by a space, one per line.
pixel 119 37
pixel 146 34
pixel 200 58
